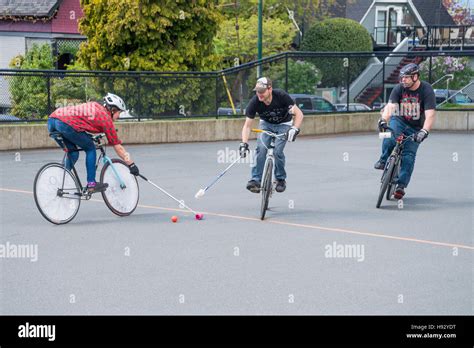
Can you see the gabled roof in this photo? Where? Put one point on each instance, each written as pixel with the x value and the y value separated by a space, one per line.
pixel 356 9
pixel 24 8
pixel 433 12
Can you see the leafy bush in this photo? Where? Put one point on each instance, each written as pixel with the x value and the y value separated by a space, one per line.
pixel 338 35
pixel 30 93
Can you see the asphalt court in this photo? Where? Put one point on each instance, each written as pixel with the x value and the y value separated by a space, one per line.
pixel 323 249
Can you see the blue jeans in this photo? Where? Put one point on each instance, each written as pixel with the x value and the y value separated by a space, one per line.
pixel 73 139
pixel 261 152
pixel 409 149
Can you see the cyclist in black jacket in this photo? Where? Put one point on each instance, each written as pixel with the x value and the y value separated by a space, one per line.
pixel 411 110
pixel 276 109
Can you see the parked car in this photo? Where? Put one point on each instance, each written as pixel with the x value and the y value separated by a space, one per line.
pixel 306 102
pixel 353 107
pixel 459 98
pixel 312 103
pixel 8 118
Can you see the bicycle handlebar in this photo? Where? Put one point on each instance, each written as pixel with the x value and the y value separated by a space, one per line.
pixel 268 133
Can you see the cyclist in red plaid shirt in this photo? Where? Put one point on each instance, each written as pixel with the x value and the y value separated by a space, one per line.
pixel 74 121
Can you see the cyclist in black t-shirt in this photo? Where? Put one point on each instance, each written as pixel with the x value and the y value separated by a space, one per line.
pixel 412 104
pixel 275 109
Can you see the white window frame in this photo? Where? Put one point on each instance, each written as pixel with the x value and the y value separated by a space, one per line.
pixel 398 9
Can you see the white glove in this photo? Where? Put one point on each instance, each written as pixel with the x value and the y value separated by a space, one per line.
pixel 292 133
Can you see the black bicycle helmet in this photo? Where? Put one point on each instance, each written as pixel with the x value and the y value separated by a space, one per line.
pixel 409 69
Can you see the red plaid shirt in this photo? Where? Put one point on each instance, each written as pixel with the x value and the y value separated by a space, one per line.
pixel 89 117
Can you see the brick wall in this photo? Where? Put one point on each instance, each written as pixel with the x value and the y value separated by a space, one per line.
pixel 66 20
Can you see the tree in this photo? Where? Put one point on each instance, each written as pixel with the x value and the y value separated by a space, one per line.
pixel 460 14
pixel 172 35
pixel 30 93
pixel 278 37
pixel 441 66
pixel 146 35
pixel 338 35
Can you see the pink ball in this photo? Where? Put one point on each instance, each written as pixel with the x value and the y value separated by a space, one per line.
pixel 199 216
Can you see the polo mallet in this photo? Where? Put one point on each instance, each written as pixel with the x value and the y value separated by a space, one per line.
pixel 201 192
pixel 198 216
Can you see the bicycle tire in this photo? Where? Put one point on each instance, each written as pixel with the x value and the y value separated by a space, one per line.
pixel 121 202
pixel 392 184
pixel 266 188
pixel 386 177
pixel 45 190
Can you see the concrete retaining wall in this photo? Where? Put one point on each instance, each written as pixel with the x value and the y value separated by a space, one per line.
pixel 24 136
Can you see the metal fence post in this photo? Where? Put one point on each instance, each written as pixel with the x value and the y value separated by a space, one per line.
pixel 217 96
pixel 431 64
pixel 139 99
pixel 383 80
pixel 48 87
pixel 286 72
pixel 347 82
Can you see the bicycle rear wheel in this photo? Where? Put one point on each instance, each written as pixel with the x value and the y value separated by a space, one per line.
pixel 121 201
pixel 266 188
pixel 57 193
pixel 393 181
pixel 386 177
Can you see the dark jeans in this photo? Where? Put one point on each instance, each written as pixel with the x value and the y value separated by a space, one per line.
pixel 73 139
pixel 409 149
pixel 261 152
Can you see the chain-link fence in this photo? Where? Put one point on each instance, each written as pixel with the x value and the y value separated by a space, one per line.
pixel 318 82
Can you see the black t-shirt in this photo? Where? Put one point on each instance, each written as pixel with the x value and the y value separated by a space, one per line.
pixel 412 104
pixel 278 110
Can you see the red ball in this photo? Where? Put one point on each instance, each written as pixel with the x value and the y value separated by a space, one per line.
pixel 199 216
pixel 174 218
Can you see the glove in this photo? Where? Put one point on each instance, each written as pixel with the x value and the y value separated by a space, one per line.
pixel 134 169
pixel 292 133
pixel 243 149
pixel 421 135
pixel 382 124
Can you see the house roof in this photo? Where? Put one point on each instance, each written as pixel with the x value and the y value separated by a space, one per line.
pixel 23 8
pixel 433 12
pixel 356 9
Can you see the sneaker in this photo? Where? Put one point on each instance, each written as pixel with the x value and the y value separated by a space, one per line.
pixel 280 185
pixel 399 192
pixel 93 187
pixel 253 186
pixel 379 165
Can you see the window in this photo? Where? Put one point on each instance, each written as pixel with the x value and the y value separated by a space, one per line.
pixel 304 103
pixel 322 105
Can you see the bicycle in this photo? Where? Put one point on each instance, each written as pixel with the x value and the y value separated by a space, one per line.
pixel 267 184
pixel 392 167
pixel 58 191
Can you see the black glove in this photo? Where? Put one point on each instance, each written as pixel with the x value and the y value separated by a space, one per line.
pixel 243 149
pixel 292 133
pixel 134 169
pixel 421 135
pixel 383 126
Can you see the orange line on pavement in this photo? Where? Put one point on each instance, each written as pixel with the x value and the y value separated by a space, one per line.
pixel 285 223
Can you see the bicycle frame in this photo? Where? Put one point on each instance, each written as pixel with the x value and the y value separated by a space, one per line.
pixel 103 156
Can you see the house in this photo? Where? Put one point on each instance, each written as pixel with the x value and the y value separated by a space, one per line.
pixel 26 22
pixel 399 26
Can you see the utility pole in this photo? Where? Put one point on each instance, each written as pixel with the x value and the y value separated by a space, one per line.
pixel 260 31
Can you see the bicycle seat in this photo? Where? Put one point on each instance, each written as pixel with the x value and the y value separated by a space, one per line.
pixel 96 137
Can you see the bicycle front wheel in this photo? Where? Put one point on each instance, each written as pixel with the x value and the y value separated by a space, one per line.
pixel 386 178
pixel 392 184
pixel 57 193
pixel 122 201
pixel 266 188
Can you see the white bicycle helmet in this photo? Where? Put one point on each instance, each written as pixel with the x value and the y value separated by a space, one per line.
pixel 114 100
